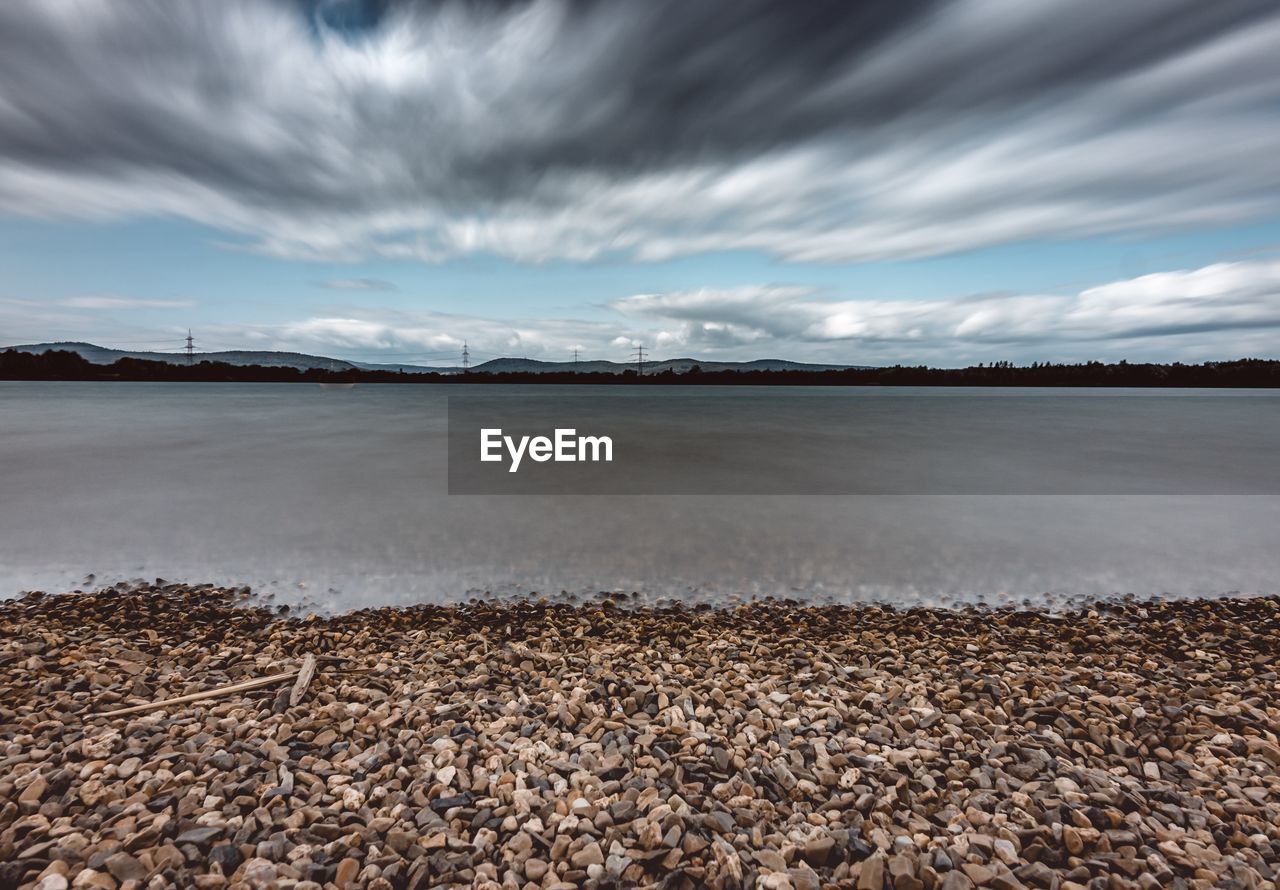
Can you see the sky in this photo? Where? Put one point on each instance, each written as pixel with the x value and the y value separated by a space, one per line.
pixel 914 181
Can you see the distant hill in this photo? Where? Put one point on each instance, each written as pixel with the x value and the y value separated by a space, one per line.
pixel 406 369
pixel 100 355
pixel 679 365
pixel 68 364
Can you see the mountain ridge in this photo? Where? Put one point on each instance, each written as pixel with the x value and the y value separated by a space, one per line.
pixel 102 355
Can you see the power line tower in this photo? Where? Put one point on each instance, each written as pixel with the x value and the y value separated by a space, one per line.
pixel 640 359
pixel 466 358
pixel 191 348
pixel 575 358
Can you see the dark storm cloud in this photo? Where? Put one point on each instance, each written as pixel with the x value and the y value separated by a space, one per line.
pixel 824 130
pixel 685 81
pixel 688 81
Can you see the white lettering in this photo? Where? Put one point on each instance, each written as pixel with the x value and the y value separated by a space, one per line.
pixel 595 443
pixel 516 453
pixel 488 443
pixel 564 442
pixel 560 448
pixel 540 449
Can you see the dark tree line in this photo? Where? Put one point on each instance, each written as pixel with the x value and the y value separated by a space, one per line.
pixel 1244 373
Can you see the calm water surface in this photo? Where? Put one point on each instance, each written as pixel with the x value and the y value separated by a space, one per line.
pixel 338 497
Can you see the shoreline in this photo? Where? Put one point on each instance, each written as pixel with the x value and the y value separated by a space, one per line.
pixel 70 364
pixel 536 744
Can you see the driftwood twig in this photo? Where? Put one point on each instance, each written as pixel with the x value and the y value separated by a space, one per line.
pixel 305 673
pixel 242 686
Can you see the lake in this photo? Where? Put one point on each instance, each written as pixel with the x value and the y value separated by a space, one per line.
pixel 338 497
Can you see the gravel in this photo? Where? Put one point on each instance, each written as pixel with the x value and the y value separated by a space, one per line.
pixel 540 744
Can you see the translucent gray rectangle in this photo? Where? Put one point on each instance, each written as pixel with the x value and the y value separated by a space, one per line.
pixel 678 441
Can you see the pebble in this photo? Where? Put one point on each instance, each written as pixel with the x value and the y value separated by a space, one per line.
pixel 125 867
pixel 550 744
pixel 871 873
pixel 346 873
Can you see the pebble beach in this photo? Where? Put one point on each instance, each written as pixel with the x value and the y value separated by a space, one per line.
pixel 543 745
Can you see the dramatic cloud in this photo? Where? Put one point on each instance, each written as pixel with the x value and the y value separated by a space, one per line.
pixel 1222 311
pixel 1232 309
pixel 828 130
pixel 433 338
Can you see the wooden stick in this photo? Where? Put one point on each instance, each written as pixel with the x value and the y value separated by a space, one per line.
pixel 243 686
pixel 305 673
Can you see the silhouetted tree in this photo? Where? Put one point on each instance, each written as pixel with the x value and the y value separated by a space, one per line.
pixel 1244 373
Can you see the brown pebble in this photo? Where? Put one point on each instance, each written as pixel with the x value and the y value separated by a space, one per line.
pixel 550 743
pixel 347 871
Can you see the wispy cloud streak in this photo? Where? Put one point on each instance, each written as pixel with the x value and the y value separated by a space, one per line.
pixel 1220 311
pixel 541 130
